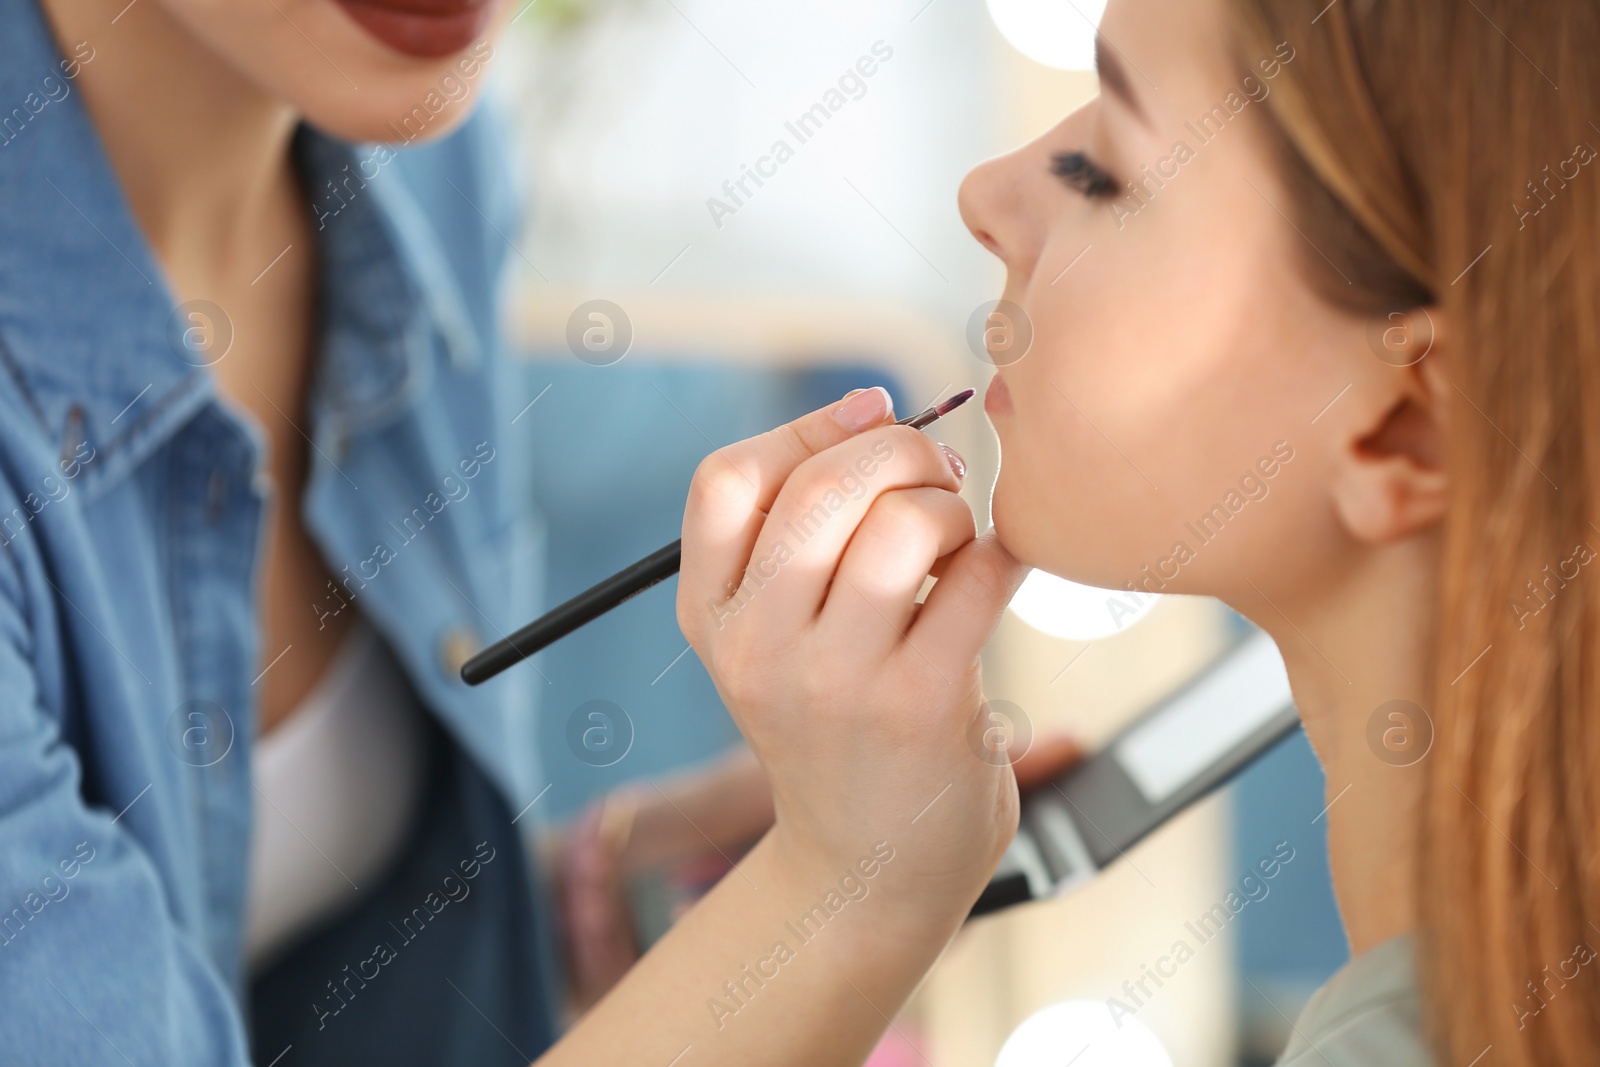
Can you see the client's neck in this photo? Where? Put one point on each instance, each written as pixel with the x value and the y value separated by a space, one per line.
pixel 1359 662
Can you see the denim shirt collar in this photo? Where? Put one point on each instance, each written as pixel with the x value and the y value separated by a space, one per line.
pixel 384 286
pixel 90 330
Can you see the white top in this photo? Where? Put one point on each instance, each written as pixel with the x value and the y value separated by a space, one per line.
pixel 338 784
pixel 1369 1014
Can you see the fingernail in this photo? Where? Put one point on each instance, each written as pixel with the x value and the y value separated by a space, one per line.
pixel 957 464
pixel 865 409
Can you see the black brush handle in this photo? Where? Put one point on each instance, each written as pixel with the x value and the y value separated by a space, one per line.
pixel 584 608
pixel 624 585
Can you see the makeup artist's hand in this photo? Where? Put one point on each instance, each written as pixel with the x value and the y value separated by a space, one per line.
pixel 803 553
pixel 702 819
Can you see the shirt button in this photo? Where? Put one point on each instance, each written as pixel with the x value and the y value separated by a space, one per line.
pixel 456 645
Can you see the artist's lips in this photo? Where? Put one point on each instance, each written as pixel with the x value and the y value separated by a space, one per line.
pixel 422 28
pixel 997 398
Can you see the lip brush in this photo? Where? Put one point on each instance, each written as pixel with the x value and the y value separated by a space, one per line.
pixel 627 583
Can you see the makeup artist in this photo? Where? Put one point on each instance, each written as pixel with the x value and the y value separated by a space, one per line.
pixel 240 343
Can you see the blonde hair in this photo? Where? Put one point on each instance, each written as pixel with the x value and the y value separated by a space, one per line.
pixel 1433 160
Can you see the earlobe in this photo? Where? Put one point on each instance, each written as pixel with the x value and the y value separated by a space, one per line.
pixel 1387 498
pixel 1390 479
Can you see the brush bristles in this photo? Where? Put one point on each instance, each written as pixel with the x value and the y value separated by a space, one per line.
pixel 954 402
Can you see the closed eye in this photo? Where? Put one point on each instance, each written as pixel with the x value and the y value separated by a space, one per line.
pixel 1084 175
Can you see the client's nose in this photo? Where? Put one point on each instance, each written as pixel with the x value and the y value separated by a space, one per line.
pixel 1005 203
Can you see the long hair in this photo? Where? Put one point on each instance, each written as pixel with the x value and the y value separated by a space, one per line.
pixel 1441 154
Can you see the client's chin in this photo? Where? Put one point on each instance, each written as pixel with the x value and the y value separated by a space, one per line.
pixel 1011 526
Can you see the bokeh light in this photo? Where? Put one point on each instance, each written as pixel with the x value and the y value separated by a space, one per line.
pixel 1084 1034
pixel 1057 33
pixel 1076 612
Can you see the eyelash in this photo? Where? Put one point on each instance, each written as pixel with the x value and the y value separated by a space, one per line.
pixel 1085 175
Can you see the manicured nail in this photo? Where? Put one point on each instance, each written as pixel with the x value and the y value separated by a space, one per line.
pixel 957 464
pixel 863 410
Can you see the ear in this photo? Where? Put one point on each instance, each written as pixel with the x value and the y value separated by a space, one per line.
pixel 1389 475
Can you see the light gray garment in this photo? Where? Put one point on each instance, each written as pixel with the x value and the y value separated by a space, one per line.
pixel 1369 1014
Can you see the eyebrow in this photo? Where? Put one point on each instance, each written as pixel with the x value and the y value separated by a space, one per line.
pixel 1114 76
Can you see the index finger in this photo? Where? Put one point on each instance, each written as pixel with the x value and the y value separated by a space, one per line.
pixel 735 486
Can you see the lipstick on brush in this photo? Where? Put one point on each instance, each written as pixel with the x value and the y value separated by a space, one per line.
pixel 626 584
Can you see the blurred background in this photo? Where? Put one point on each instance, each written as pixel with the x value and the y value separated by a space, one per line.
pixel 741 284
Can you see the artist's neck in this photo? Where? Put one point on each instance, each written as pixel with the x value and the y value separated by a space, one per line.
pixel 200 152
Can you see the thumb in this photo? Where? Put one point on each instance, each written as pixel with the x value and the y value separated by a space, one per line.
pixel 965 604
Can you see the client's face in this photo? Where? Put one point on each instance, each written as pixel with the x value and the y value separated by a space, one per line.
pixel 1166 415
pixel 364 70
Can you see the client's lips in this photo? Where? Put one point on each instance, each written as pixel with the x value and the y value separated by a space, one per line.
pixel 422 28
pixel 997 398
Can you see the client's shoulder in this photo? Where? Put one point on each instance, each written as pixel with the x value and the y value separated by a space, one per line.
pixel 1369 1014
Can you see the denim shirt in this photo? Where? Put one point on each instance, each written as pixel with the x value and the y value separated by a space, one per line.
pixel 132 508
